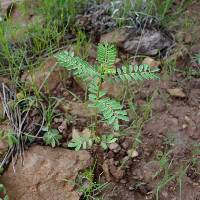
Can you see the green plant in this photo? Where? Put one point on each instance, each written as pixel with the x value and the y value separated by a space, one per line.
pixel 197 58
pixel 86 142
pixel 3 192
pixel 165 164
pixel 110 109
pixel 52 137
pixel 81 142
pixel 87 186
pixel 106 140
pixel 9 137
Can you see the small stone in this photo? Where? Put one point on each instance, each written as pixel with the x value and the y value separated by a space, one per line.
pixel 125 145
pixel 131 188
pixel 132 153
pixel 151 62
pixel 58 120
pixel 176 92
pixel 187 119
pixel 184 126
pixel 123 181
pixel 114 147
pixel 62 127
pixel 116 36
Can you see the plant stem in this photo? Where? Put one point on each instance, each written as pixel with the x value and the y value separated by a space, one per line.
pixel 99 89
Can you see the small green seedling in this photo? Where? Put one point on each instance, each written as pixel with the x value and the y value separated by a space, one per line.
pixel 52 137
pixel 106 140
pixel 110 110
pixel 10 137
pixel 81 142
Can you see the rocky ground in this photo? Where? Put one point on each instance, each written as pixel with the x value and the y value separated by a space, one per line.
pixel 157 153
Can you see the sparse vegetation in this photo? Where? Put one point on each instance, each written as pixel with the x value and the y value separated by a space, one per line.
pixel 82 75
pixel 110 109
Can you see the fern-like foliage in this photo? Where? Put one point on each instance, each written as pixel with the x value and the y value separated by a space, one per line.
pixel 137 73
pixel 81 142
pixel 106 54
pixel 79 67
pixel 111 110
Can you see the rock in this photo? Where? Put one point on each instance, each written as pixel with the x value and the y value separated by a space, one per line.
pixel 131 41
pixel 77 109
pixel 114 147
pixel 46 77
pixel 81 109
pixel 62 126
pixel 151 62
pixel 132 153
pixel 176 92
pixel 149 43
pixel 46 173
pixel 117 36
pixel 125 145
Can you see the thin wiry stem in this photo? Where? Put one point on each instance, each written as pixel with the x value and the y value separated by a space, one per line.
pixel 17 122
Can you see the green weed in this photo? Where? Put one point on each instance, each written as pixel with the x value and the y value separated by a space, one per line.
pixel 111 110
pixel 87 186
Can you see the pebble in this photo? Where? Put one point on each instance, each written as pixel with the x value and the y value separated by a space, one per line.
pixel 115 147
pixel 131 188
pixel 125 145
pixel 132 153
pixel 123 181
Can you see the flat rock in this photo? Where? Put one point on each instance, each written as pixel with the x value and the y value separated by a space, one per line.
pixel 150 43
pixel 46 174
pixel 151 62
pixel 46 77
pixel 176 92
pixel 77 109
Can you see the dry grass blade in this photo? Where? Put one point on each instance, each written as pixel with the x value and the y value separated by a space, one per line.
pixel 17 122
